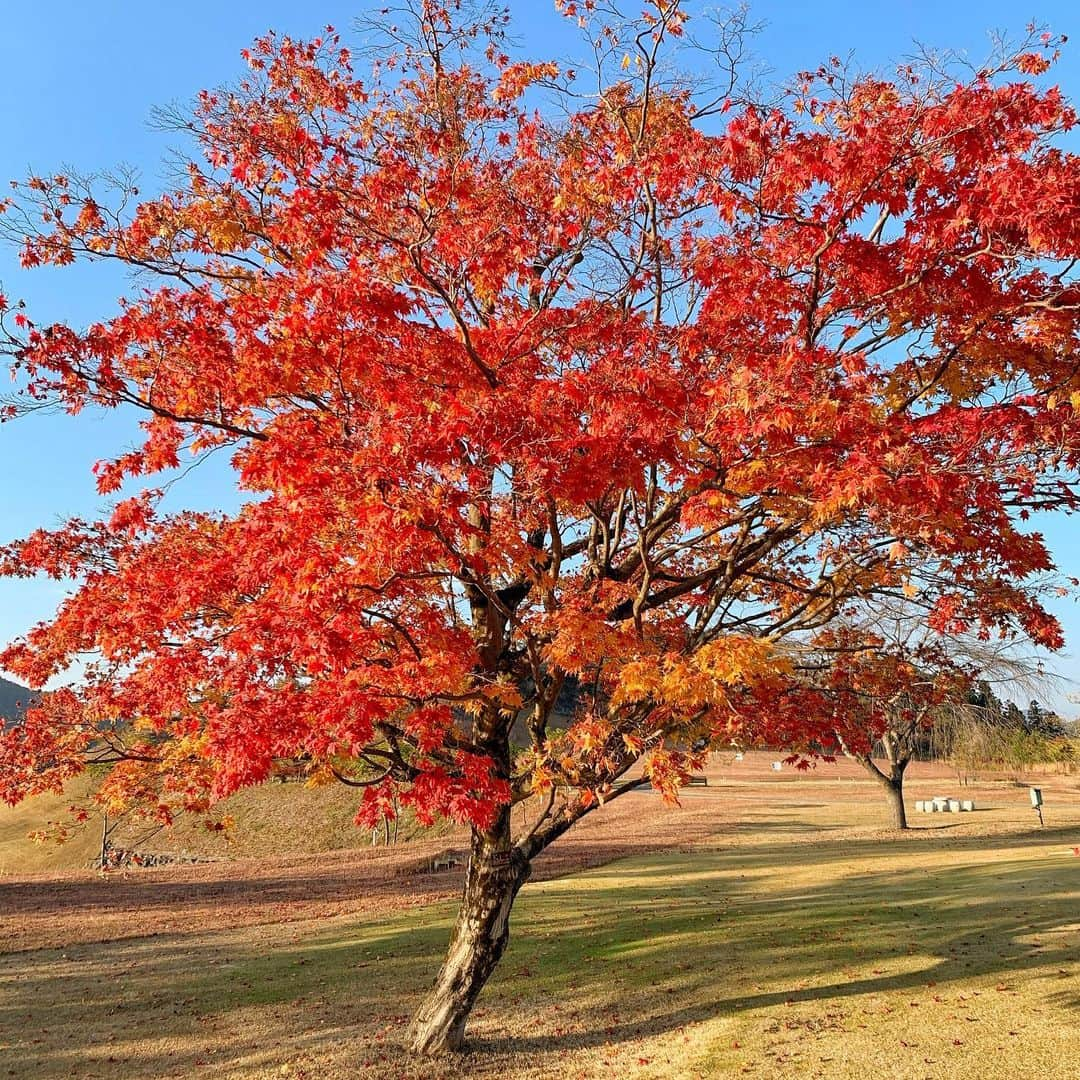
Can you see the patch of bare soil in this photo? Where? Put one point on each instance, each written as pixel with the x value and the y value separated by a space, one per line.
pixel 79 907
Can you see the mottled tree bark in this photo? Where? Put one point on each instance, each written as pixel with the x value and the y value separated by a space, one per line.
pixel 494 876
pixel 497 870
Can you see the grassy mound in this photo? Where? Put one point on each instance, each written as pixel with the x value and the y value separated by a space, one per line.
pixel 272 819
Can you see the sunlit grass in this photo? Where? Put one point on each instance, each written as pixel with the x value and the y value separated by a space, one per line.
pixel 785 952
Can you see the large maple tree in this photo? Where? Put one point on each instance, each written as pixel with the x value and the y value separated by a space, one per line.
pixel 534 378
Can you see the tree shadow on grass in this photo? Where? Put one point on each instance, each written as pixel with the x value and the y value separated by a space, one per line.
pixel 978 929
pixel 679 933
pixel 187 989
pixel 574 940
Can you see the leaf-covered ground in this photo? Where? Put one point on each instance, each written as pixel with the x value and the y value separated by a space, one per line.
pixel 796 940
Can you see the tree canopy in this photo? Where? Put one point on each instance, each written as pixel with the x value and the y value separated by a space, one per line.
pixel 534 374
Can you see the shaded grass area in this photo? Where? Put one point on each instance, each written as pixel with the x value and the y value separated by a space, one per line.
pixel 790 947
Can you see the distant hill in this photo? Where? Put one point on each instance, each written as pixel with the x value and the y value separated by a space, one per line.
pixel 13 698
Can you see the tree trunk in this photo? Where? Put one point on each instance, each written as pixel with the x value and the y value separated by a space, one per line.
pixel 892 782
pixel 494 876
pixel 894 793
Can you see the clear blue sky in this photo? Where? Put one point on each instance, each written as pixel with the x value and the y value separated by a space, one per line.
pixel 78 81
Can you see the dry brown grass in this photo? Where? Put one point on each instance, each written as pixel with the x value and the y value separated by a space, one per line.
pixel 785 934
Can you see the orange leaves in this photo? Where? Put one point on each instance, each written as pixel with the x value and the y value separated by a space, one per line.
pixel 590 734
pixel 515 79
pixel 226 234
pixel 898 552
pixel 668 770
pixel 735 660
pixel 1032 63
pixel 90 218
pixel 702 679
pixel 580 639
pixel 639 680
pixel 1054 401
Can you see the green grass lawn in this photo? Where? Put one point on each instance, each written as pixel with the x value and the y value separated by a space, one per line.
pixel 796 946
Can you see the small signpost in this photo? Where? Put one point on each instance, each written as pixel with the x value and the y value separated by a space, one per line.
pixel 1037 802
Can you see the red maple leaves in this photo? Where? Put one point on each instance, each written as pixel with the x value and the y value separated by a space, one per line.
pixel 564 432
